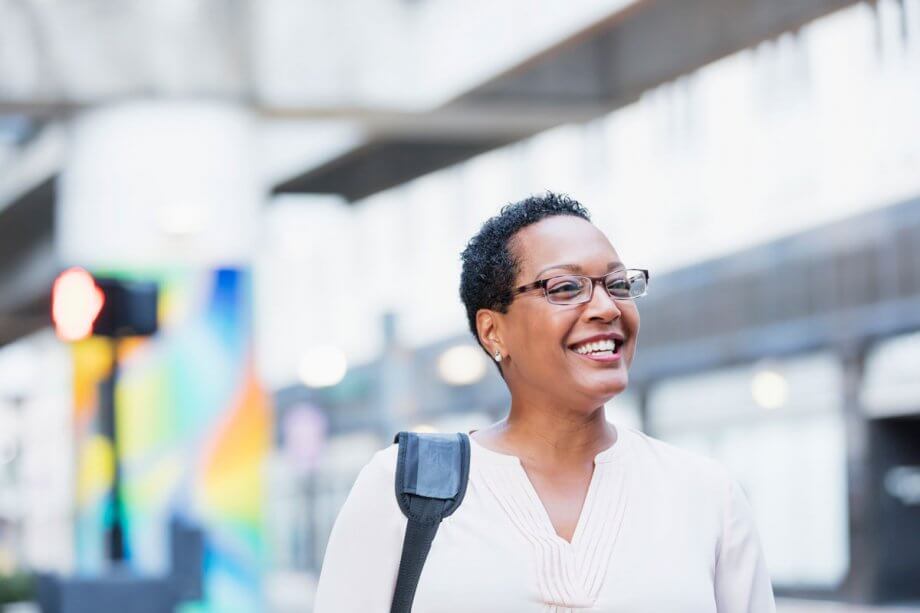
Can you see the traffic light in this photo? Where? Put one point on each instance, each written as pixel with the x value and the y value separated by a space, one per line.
pixel 83 306
pixel 76 302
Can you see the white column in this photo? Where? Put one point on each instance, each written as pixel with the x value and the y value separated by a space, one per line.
pixel 154 183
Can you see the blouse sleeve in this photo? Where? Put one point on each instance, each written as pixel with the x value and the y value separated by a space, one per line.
pixel 742 583
pixel 362 555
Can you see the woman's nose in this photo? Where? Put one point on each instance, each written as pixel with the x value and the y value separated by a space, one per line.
pixel 602 303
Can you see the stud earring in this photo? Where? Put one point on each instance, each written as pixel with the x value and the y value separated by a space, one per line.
pixel 498 356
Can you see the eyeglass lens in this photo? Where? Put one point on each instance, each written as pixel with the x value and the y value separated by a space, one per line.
pixel 572 289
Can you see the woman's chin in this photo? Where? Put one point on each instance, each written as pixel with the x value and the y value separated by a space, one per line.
pixel 605 386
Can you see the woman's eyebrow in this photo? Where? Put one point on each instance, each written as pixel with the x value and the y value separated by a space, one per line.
pixel 578 269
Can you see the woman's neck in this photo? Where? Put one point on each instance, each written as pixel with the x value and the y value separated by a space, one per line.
pixel 546 434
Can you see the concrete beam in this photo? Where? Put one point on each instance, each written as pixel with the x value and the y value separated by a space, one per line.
pixel 652 42
pixel 592 73
pixel 384 164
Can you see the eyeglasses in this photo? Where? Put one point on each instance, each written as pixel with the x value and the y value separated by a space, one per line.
pixel 576 289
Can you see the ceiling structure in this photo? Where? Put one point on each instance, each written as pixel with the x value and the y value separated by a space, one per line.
pixel 603 62
pixel 594 71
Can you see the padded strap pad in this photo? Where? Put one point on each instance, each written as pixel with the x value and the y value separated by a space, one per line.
pixel 431 466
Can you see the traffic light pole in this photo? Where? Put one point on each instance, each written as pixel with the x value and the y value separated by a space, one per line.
pixel 115 536
pixel 84 306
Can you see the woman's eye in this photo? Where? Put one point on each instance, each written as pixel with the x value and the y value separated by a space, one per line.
pixel 564 288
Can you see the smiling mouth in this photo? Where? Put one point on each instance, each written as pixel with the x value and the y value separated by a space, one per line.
pixel 600 351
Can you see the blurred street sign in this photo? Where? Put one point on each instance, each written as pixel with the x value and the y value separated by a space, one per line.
pixel 304 429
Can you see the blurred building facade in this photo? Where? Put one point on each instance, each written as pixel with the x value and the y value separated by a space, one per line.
pixel 761 159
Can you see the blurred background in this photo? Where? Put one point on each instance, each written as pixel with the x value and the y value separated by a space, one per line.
pixel 229 262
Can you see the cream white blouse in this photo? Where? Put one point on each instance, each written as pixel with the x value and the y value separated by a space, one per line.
pixel 661 531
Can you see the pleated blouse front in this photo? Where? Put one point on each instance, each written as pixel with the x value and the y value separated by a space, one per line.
pixel 566 575
pixel 661 530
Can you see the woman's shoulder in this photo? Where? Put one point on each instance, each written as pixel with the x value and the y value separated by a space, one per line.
pixel 382 464
pixel 372 490
pixel 676 464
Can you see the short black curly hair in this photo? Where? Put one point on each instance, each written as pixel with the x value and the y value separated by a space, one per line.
pixel 489 264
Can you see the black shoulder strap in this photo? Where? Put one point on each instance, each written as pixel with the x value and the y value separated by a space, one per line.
pixel 431 475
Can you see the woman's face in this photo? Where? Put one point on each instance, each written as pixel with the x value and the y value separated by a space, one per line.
pixel 540 338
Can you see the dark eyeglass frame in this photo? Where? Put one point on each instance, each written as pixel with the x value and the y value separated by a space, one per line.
pixel 542 283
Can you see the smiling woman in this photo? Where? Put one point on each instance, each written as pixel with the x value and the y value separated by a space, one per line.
pixel 563 510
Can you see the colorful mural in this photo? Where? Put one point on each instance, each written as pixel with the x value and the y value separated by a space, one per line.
pixel 193 430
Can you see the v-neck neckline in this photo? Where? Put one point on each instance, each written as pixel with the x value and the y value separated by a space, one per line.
pixel 584 515
pixel 567 574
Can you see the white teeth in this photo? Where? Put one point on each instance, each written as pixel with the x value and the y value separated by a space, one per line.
pixel 606 345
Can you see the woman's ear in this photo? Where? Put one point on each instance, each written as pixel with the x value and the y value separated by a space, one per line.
pixel 488 328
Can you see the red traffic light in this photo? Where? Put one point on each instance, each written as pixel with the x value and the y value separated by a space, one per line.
pixel 76 302
pixel 83 306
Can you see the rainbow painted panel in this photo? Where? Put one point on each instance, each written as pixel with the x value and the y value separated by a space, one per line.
pixel 194 429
